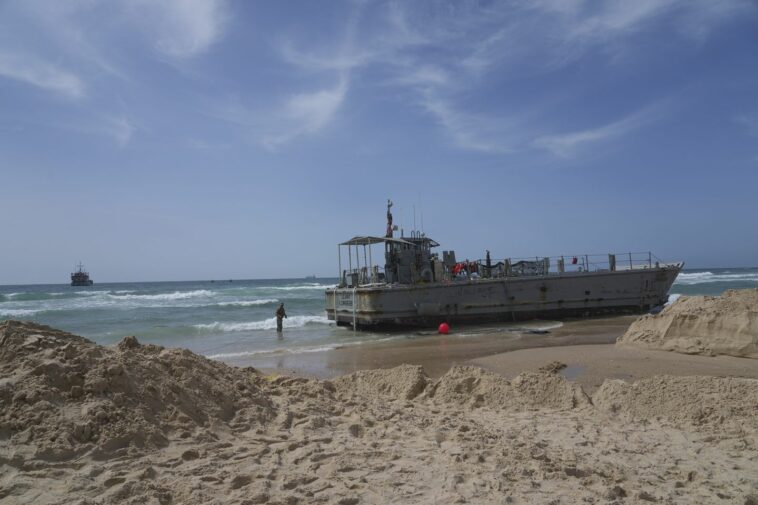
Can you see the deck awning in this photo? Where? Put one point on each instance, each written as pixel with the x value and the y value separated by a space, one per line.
pixel 369 240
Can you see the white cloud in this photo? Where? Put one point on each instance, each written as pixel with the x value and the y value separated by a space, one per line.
pixel 183 28
pixel 314 110
pixel 307 113
pixel 705 15
pixel 467 131
pixel 611 25
pixel 425 75
pixel 324 62
pixel 511 37
pixel 443 55
pixel 42 74
pixel 121 129
pixel 620 16
pixel 566 144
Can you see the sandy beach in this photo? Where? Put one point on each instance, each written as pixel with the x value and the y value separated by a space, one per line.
pixel 135 423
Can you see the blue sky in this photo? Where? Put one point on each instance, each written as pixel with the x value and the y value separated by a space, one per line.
pixel 210 139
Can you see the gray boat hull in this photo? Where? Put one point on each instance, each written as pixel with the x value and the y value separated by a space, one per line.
pixel 503 299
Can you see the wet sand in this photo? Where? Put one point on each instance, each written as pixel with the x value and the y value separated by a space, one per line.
pixel 590 365
pixel 586 347
pixel 437 353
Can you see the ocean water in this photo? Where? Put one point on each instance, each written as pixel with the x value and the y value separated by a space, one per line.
pixel 713 281
pixel 220 318
pixel 234 320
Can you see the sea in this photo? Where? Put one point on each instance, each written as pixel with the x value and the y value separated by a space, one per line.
pixel 234 319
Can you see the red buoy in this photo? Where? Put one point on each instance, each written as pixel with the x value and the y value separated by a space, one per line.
pixel 444 329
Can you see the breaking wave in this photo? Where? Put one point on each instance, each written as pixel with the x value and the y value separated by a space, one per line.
pixel 279 350
pixel 17 312
pixel 688 279
pixel 296 350
pixel 36 296
pixel 301 287
pixel 31 296
pixel 266 324
pixel 249 303
pixel 672 298
pixel 176 295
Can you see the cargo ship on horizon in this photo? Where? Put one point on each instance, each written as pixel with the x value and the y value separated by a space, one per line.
pixel 81 277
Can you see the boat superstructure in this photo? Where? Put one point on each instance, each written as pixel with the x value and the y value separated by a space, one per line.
pixel 416 286
pixel 80 277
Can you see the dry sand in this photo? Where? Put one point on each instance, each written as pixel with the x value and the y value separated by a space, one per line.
pixel 84 424
pixel 710 325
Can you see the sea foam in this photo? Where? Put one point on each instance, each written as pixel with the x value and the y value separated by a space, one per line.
pixel 248 303
pixel 301 287
pixel 18 312
pixel 176 295
pixel 274 352
pixel 266 324
pixel 691 278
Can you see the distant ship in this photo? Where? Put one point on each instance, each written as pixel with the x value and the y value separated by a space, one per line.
pixel 418 287
pixel 310 277
pixel 81 277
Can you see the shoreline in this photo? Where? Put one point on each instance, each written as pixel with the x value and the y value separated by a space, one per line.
pixel 437 353
pixel 586 348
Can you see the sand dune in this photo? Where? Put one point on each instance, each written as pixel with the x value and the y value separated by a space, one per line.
pixel 81 423
pixel 710 325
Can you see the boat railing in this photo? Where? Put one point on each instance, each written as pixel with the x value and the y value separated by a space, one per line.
pixel 362 276
pixel 518 267
pixel 566 263
pixel 552 265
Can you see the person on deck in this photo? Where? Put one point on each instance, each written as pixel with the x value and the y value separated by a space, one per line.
pixel 280 314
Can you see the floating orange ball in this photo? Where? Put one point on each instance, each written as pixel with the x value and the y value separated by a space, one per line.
pixel 444 328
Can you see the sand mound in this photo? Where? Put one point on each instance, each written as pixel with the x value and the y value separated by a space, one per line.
pixel 90 425
pixel 472 386
pixel 62 395
pixel 466 385
pixel 711 325
pixel 709 402
pixel 404 382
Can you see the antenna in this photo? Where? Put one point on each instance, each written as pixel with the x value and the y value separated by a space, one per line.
pixel 414 217
pixel 421 210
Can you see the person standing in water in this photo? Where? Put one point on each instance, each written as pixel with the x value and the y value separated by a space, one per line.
pixel 280 315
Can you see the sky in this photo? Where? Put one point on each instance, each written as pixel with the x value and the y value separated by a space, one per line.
pixel 212 139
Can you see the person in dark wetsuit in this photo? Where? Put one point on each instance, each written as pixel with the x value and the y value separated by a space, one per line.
pixel 280 315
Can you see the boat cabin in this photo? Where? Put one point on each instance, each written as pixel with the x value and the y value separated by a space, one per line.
pixel 407 260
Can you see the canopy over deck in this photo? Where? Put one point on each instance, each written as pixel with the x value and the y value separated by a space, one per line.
pixel 369 240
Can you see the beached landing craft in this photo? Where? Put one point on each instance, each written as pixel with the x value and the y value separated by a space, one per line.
pixel 418 287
